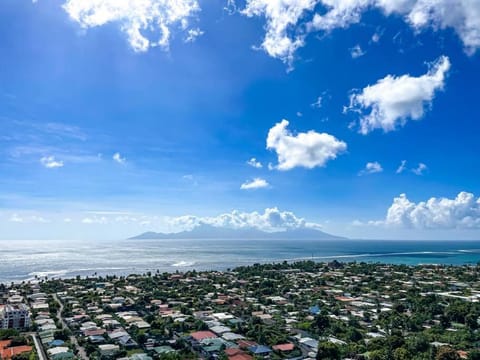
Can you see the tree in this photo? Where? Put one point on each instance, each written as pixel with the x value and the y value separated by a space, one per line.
pixel 447 353
pixel 474 355
pixel 322 322
pixel 328 351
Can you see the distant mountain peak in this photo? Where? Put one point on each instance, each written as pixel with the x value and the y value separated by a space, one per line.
pixel 207 231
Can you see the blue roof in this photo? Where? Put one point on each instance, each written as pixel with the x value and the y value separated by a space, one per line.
pixel 315 310
pixel 57 343
pixel 260 349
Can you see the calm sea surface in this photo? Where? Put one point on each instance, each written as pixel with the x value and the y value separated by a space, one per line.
pixel 23 260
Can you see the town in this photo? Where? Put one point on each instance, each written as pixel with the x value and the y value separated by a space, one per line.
pixel 303 310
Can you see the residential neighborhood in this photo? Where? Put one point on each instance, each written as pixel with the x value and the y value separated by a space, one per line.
pixel 303 310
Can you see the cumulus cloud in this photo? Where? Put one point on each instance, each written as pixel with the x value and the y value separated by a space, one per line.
pixel 392 101
pixel 288 22
pixel 371 168
pixel 420 169
pixel 284 35
pixel 256 183
pixel 146 23
pixel 272 219
pixel 255 163
pixel 119 159
pixel 435 213
pixel 50 162
pixel 308 150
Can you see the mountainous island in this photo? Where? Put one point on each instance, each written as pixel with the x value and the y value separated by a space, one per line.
pixel 206 231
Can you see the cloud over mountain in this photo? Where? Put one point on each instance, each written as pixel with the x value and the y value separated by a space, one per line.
pixel 272 219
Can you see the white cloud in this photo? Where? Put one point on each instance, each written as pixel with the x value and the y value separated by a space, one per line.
pixel 193 34
pixel 146 23
pixel 95 220
pixel 318 103
pixel 308 150
pixel 256 183
pixel 119 159
pixel 16 218
pixel 420 169
pixel 288 22
pixel 402 167
pixel 283 33
pixel 272 219
pixel 435 213
pixel 357 52
pixel 255 163
pixel 371 168
pixel 392 101
pixel 376 37
pixel 50 162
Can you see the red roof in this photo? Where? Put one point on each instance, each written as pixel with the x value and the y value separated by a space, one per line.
pixel 232 351
pixel 245 344
pixel 8 353
pixel 200 335
pixel 284 347
pixel 4 344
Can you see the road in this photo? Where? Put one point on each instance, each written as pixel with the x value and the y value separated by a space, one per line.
pixel 38 346
pixel 81 351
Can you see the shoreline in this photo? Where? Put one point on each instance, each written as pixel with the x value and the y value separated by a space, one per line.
pixel 152 271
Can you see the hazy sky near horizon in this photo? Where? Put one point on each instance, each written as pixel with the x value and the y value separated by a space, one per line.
pixel 358 117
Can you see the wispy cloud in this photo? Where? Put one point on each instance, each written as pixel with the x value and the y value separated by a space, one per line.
pixel 119 159
pixel 50 162
pixel 420 169
pixel 255 163
pixel 402 167
pixel 357 52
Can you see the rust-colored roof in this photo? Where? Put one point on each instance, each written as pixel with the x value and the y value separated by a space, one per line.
pixel 200 335
pixel 4 344
pixel 245 344
pixel 284 347
pixel 8 353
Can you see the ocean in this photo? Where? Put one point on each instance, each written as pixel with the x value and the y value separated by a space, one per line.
pixel 25 260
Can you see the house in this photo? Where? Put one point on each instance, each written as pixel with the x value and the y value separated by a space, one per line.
pixel 260 350
pixel 108 349
pixel 284 347
pixel 201 335
pixel 237 354
pixel 7 352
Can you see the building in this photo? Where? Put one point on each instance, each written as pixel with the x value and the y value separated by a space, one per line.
pixel 14 316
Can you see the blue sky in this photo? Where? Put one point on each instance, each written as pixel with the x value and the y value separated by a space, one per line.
pixel 118 118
